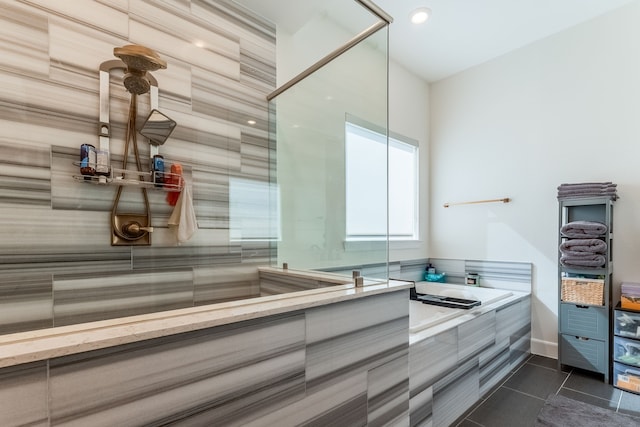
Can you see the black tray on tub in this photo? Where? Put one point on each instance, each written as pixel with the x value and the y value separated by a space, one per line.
pixel 450 302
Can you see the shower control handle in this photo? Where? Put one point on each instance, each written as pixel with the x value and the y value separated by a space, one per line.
pixel 135 229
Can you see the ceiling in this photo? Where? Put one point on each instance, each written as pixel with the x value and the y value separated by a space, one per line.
pixel 459 34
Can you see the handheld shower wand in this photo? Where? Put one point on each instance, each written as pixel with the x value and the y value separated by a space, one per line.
pixel 139 60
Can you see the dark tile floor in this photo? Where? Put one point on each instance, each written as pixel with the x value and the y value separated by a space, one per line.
pixel 518 399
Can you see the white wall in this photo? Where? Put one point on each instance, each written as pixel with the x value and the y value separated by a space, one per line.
pixel 565 109
pixel 409 116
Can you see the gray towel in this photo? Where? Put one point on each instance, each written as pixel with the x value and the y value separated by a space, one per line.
pixel 586 193
pixel 587 189
pixel 577 254
pixel 578 247
pixel 583 229
pixel 589 261
pixel 578 191
pixel 613 197
pixel 588 184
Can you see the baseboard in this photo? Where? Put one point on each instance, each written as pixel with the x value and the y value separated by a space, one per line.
pixel 544 348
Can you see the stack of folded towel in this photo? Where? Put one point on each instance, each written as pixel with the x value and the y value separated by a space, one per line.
pixel 587 189
pixel 583 248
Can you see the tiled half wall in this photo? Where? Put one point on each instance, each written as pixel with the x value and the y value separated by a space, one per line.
pixel 340 364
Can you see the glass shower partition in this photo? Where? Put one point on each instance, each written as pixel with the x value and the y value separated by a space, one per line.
pixel 309 167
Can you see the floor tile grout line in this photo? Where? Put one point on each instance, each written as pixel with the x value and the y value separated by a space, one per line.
pixel 551 369
pixel 564 382
pixel 616 401
pixel 619 402
pixel 548 368
pixel 470 421
pixel 523 393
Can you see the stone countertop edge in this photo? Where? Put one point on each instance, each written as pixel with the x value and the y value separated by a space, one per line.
pixel 31 346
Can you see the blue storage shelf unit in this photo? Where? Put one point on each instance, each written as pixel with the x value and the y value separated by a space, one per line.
pixel 584 327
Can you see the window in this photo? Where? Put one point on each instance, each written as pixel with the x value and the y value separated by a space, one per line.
pixel 366 184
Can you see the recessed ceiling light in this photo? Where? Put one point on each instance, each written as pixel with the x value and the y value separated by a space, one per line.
pixel 420 15
pixel 251 122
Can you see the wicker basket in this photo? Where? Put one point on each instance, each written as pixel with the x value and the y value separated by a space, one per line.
pixel 584 291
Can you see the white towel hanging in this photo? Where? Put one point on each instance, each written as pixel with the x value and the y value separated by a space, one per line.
pixel 183 219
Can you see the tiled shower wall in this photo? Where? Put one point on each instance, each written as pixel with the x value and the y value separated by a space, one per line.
pixel 56 263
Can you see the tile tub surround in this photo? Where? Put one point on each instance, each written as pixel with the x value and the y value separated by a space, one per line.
pixel 454 363
pixel 25 347
pixel 343 362
pixel 425 316
pixel 352 351
pixel 49 104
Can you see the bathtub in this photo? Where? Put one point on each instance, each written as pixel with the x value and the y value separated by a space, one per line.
pixel 423 316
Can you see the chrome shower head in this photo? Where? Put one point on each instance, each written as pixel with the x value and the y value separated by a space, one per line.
pixel 139 60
